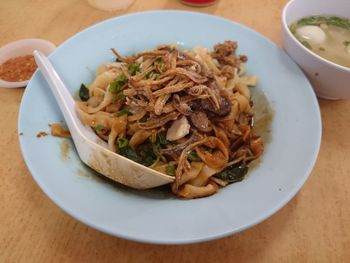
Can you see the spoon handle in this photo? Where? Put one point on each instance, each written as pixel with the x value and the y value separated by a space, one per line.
pixel 63 97
pixel 64 100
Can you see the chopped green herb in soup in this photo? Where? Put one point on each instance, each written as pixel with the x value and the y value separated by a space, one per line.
pixel 327 36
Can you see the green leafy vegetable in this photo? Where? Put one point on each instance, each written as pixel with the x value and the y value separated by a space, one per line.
pixel 126 150
pixel 171 170
pixel 149 74
pixel 122 112
pixel 133 69
pixel 115 86
pixel 321 49
pixel 152 74
pixel 129 153
pixel 293 28
pixel 306 44
pixel 311 20
pixel 158 141
pixel 234 173
pixel 160 65
pixel 328 20
pixel 122 142
pixel 157 147
pixel 161 138
pixel 122 78
pixel 99 127
pixel 84 92
pixel 146 154
pixel 338 21
pixel 193 157
pixel 143 154
pixel 120 95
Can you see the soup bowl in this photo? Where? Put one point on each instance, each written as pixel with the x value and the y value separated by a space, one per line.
pixel 329 80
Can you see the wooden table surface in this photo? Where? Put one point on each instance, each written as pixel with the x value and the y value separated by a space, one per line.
pixel 313 227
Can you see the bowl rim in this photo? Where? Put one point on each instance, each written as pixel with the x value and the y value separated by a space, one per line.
pixel 38 43
pixel 290 34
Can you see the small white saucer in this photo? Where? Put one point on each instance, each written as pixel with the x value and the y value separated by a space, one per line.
pixel 21 48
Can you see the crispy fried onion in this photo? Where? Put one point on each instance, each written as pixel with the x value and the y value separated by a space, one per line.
pixel 159 122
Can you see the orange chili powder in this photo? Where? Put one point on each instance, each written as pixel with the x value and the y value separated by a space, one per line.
pixel 18 68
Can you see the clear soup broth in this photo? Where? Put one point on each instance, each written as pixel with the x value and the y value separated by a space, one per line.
pixel 327 36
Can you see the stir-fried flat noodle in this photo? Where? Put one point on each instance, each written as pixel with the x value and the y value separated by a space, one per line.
pixel 184 113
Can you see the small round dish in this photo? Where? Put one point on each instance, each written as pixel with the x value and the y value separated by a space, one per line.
pixel 21 48
pixel 329 80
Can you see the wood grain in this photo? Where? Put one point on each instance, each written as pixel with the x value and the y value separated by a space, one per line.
pixel 313 227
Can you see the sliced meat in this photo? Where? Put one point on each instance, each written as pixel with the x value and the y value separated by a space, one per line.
pixel 225 53
pixel 200 121
pixel 207 106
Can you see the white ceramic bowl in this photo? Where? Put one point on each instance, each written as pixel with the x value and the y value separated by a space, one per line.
pixel 21 48
pixel 329 80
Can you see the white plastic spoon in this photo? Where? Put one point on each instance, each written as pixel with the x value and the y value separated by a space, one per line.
pixel 92 150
